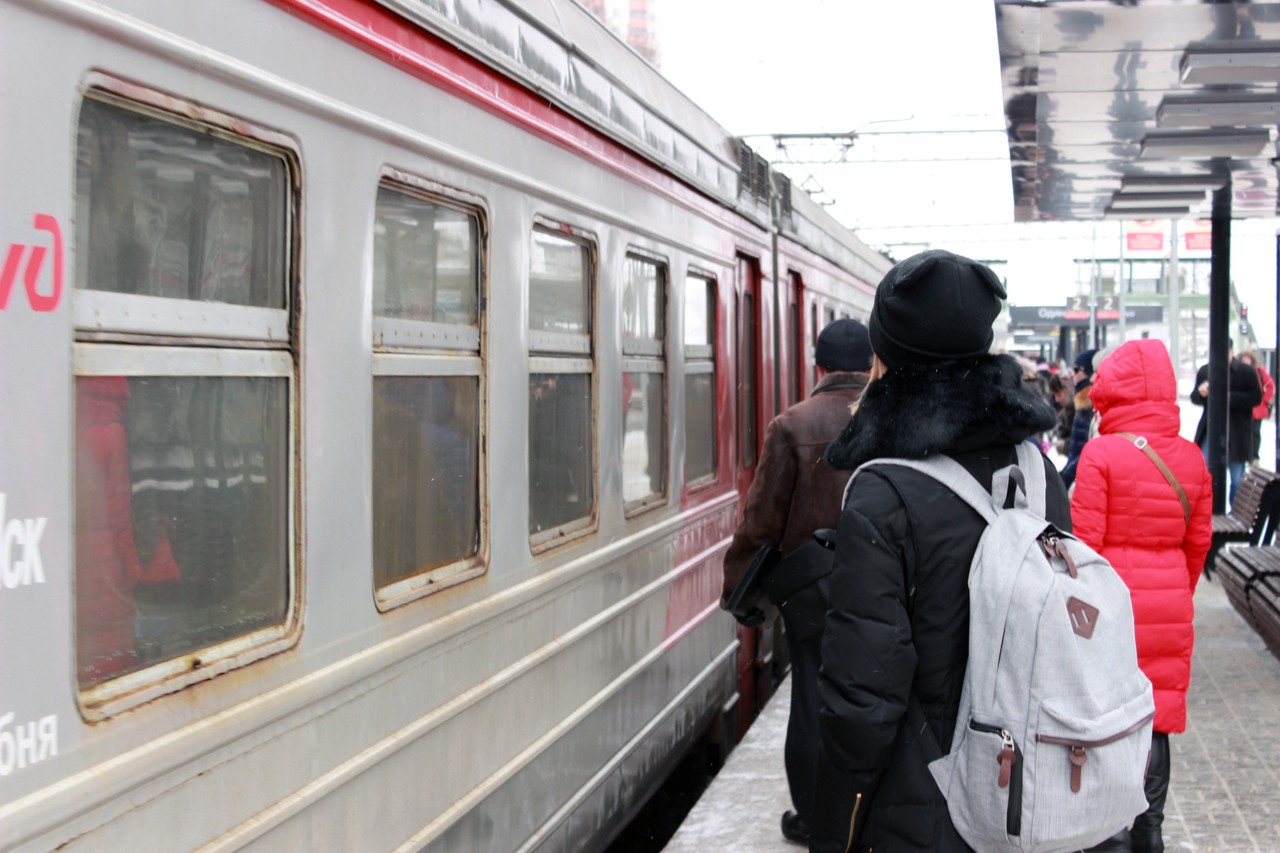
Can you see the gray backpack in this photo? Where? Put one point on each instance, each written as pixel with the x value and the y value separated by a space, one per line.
pixel 1054 729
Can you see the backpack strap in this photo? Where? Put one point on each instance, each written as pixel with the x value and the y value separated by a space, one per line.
pixel 1141 443
pixel 1025 480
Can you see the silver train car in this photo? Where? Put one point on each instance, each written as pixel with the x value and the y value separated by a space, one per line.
pixel 379 382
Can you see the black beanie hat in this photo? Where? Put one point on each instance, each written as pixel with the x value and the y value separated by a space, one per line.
pixel 1084 361
pixel 844 345
pixel 935 306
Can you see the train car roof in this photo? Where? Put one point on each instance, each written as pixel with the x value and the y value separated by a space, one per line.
pixel 561 51
pixel 1138 110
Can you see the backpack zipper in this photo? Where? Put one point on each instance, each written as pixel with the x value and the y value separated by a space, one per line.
pixel 1055 547
pixel 1010 775
pixel 1076 748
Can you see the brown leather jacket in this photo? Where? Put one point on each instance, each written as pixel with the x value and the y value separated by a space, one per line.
pixel 795 491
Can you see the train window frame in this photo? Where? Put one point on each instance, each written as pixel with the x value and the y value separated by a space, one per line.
pixel 133 335
pixel 703 359
pixel 105 315
pixel 574 354
pixel 650 356
pixel 408 348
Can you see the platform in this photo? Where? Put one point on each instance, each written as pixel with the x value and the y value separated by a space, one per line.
pixel 1224 790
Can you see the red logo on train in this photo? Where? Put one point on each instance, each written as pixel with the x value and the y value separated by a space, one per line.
pixel 40 299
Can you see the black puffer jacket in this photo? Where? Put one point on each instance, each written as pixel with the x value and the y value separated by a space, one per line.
pixel 899 618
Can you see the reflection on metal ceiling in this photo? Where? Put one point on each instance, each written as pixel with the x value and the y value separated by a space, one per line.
pixel 1139 108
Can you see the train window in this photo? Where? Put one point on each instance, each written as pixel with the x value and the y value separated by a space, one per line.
pixel 700 379
pixel 426 394
pixel 561 389
pixel 644 445
pixel 201 217
pixel 183 401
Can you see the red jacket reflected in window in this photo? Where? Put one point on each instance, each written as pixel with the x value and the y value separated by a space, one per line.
pixel 107 565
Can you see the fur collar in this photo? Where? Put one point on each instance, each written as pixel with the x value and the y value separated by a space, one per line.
pixel 919 409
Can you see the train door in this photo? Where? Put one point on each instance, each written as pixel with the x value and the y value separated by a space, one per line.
pixel 751 369
pixel 793 345
pixel 759 669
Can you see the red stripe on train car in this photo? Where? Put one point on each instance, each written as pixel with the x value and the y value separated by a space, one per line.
pixel 403 44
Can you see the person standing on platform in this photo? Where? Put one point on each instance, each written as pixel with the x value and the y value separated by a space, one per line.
pixel 1153 522
pixel 1083 418
pixel 794 493
pixel 898 623
pixel 1243 394
pixel 1262 411
pixel 1064 403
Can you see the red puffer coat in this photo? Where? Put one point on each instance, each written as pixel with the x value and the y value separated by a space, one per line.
pixel 1126 510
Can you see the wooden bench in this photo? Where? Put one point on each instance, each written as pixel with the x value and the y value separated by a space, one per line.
pixel 1250 576
pixel 1252 518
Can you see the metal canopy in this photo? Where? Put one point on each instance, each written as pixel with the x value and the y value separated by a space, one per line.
pixel 1139 108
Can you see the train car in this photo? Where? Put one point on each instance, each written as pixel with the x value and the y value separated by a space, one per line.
pixel 379 382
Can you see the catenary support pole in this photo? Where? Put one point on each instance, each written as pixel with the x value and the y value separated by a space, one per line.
pixel 1219 340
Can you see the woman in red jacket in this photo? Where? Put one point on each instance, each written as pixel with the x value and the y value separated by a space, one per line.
pixel 1129 511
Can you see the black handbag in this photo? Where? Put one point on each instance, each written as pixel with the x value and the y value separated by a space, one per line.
pixel 797 586
pixel 748 602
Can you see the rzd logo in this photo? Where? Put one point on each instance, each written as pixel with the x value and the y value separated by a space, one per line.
pixel 31 272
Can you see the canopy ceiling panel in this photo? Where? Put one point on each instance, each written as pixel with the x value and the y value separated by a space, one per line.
pixel 1097 91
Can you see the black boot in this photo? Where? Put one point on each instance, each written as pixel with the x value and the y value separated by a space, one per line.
pixel 794 829
pixel 1146 834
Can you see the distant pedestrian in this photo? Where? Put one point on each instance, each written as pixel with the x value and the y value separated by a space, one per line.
pixel 1083 419
pixel 899 618
pixel 1153 522
pixel 1243 395
pixel 1262 411
pixel 794 493
pixel 1063 391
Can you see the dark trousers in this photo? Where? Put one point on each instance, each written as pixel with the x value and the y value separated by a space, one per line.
pixel 801 753
pixel 1146 834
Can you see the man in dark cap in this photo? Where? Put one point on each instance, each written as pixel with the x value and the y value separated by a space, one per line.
pixel 895 643
pixel 793 494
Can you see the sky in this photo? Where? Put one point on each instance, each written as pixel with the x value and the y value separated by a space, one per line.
pixel 928 167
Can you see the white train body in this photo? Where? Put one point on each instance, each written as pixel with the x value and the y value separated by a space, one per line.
pixel 209 212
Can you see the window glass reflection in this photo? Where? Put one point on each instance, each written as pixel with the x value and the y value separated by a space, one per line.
pixel 561 477
pixel 166 209
pixel 426 504
pixel 698 316
pixel 700 423
pixel 181 516
pixel 642 301
pixel 559 286
pixel 644 437
pixel 425 264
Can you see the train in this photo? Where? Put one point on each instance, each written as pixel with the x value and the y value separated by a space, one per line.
pixel 380 381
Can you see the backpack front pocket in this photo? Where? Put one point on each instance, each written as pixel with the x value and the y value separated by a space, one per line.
pixel 1089 771
pixel 1009 775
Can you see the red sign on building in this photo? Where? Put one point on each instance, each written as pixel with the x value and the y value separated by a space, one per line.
pixel 1199 237
pixel 1144 235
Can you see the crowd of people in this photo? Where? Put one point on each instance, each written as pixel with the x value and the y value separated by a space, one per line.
pixel 879 661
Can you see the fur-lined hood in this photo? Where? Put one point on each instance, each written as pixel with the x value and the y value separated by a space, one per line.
pixel 916 410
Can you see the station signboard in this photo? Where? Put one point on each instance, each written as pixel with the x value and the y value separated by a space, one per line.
pixel 1077 313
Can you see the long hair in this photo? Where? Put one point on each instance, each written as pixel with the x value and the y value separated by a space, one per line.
pixel 878 370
